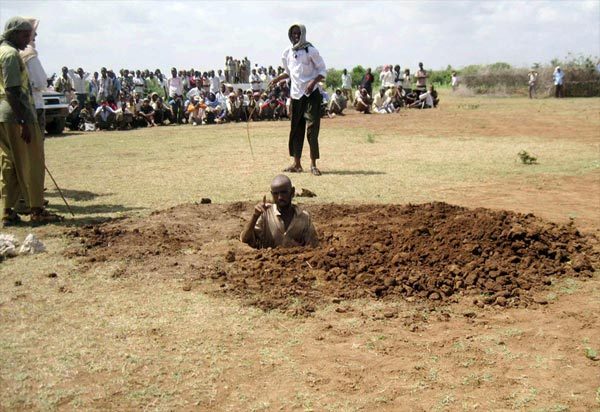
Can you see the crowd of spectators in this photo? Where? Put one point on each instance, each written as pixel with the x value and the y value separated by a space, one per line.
pixel 144 98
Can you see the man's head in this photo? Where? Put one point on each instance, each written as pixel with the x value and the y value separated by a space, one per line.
pixel 282 191
pixel 420 66
pixel 174 72
pixel 18 31
pixel 80 72
pixel 65 71
pixel 296 33
pixel 382 92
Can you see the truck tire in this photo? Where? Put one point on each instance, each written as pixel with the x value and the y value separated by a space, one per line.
pixel 56 126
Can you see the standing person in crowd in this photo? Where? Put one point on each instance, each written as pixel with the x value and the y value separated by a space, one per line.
pixel 559 80
pixel 407 81
pixel 532 76
pixel 80 84
pixel 305 68
pixel 64 84
pixel 215 82
pixel 116 90
pixel 152 85
pixel 175 87
pixel 347 86
pixel 397 76
pixel 367 82
pixel 21 142
pixel 94 86
pixel 386 77
pixel 37 75
pixel 421 76
pixel 255 81
pixel 139 85
pixel 232 71
pixel 221 76
pixel 105 85
pixel 454 81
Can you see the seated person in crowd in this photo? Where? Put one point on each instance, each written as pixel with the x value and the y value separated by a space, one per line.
pixel 234 108
pixel 162 112
pixel 105 116
pixel 146 114
pixel 214 110
pixel 195 111
pixel 124 117
pixel 280 223
pixel 425 100
pixel 252 108
pixel 382 103
pixel 272 109
pixel 337 104
pixel 363 101
pixel 73 120
pixel 86 115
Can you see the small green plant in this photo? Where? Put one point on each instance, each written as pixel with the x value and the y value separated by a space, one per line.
pixel 370 138
pixel 526 158
pixel 591 354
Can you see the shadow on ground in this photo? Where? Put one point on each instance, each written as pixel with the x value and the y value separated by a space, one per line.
pixel 77 195
pixel 353 172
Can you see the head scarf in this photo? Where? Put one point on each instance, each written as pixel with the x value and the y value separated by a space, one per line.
pixel 12 25
pixel 30 52
pixel 302 43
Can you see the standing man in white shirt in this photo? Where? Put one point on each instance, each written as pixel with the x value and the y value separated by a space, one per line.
pixel 80 85
pixel 175 89
pixel 347 86
pixel 305 68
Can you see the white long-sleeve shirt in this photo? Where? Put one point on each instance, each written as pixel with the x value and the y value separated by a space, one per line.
pixel 37 79
pixel 79 83
pixel 346 81
pixel 302 66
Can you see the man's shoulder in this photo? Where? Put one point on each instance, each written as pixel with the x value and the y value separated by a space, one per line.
pixel 300 212
pixel 8 52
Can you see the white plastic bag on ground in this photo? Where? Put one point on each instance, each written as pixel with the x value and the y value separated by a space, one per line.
pixel 32 245
pixel 8 245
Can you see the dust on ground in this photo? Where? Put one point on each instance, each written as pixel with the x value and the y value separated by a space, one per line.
pixel 434 252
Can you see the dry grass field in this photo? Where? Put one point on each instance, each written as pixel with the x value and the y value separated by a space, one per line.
pixel 156 334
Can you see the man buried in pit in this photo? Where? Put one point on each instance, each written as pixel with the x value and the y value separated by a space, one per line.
pixel 279 223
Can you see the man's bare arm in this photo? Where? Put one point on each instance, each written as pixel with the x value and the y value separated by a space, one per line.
pixel 248 235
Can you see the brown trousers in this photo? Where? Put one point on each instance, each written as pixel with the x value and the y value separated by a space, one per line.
pixel 22 166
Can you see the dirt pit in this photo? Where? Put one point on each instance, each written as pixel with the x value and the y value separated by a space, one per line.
pixel 432 252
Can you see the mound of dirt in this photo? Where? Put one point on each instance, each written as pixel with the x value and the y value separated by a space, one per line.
pixel 433 252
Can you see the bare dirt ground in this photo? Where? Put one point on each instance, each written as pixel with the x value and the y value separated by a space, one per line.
pixel 488 299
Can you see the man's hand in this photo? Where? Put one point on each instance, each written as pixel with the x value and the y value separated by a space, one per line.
pixel 310 87
pixel 261 208
pixel 26 133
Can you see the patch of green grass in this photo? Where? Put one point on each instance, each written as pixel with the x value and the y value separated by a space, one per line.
pixel 370 138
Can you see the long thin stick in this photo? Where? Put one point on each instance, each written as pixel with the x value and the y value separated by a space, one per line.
pixel 59 191
pixel 248 131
